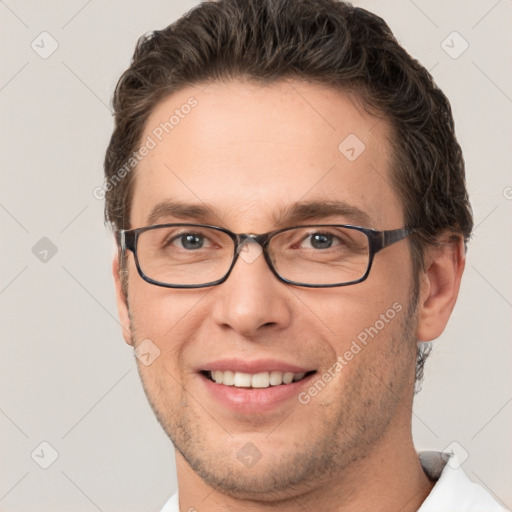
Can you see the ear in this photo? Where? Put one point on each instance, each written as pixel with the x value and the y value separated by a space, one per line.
pixel 122 303
pixel 439 286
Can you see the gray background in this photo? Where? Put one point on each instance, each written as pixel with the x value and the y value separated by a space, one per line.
pixel 66 376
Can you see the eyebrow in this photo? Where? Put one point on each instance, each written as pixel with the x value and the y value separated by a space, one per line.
pixel 317 210
pixel 180 210
pixel 287 216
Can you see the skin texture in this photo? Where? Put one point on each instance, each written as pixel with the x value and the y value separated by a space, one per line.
pixel 248 151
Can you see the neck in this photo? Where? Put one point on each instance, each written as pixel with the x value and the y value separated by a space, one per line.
pixel 390 477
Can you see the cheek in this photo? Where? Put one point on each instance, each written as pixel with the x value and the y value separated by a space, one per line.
pixel 364 326
pixel 159 342
pixel 154 309
pixel 348 313
pixel 374 353
pixel 168 318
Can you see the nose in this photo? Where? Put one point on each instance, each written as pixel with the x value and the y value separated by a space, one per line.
pixel 252 298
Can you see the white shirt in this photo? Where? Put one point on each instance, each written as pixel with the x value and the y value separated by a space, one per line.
pixel 452 492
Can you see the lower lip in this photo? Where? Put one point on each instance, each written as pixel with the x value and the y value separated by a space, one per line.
pixel 254 400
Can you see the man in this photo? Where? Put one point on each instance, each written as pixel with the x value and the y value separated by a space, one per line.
pixel 291 213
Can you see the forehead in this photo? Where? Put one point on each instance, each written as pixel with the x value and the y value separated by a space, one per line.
pixel 247 152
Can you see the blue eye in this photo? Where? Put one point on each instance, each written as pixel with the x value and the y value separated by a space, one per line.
pixel 190 241
pixel 320 241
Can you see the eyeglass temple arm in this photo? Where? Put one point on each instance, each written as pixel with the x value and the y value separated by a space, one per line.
pixel 120 240
pixel 382 239
pixel 125 240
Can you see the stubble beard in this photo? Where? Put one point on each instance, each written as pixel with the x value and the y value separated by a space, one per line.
pixel 362 416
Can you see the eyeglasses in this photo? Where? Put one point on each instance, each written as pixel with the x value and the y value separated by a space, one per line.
pixel 200 255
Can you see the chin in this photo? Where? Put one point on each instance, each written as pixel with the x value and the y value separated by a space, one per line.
pixel 264 482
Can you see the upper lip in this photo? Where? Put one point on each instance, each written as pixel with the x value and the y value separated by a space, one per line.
pixel 257 366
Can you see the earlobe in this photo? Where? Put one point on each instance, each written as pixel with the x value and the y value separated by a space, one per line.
pixel 122 303
pixel 439 286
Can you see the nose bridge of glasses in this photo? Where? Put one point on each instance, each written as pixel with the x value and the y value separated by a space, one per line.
pixel 242 239
pixel 249 246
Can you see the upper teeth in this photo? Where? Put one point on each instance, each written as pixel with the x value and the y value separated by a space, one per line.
pixel 256 380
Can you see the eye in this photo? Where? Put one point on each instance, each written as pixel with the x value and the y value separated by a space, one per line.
pixel 189 241
pixel 320 241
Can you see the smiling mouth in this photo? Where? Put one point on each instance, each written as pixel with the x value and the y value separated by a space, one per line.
pixel 255 380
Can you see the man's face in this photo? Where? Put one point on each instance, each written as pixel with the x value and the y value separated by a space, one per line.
pixel 250 153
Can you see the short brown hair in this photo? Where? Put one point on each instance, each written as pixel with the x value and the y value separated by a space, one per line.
pixel 322 41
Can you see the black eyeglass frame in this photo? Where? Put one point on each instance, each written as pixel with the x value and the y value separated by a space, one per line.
pixel 377 240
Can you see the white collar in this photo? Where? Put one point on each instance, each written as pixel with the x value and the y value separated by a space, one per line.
pixel 453 490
